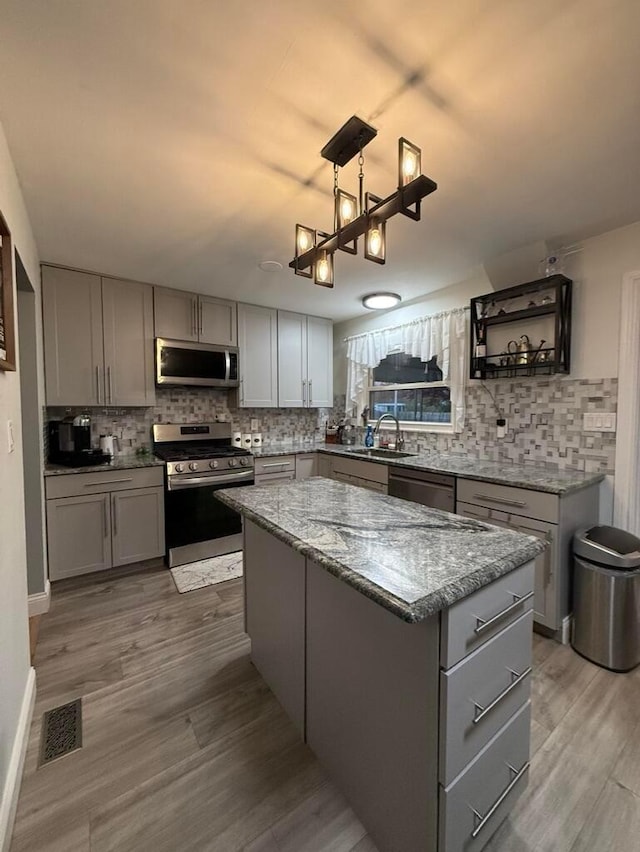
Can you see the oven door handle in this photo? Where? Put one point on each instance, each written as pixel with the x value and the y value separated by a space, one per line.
pixel 202 481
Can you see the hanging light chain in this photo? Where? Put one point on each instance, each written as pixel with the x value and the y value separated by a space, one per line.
pixel 335 196
pixel 361 178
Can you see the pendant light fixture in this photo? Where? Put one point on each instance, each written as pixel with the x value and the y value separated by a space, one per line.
pixel 364 215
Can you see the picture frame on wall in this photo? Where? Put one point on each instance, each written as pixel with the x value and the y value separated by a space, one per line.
pixel 7 328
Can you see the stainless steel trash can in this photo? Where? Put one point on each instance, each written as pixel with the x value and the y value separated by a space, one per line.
pixel 606 597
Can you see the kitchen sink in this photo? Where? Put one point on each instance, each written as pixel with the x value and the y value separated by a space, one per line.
pixel 381 453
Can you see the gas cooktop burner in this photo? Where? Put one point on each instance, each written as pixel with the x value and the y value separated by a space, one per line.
pixel 182 453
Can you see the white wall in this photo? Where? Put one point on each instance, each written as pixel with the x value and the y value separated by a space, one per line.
pixel 14 642
pixel 596 270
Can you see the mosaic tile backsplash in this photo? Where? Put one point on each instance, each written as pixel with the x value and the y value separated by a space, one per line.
pixel 181 405
pixel 544 419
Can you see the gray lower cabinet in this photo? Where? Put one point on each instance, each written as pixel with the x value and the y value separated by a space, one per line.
pixel 306 465
pixel 274 469
pixel 78 535
pixel 550 517
pixel 101 520
pixel 137 525
pixel 98 339
pixel 424 727
pixel 365 474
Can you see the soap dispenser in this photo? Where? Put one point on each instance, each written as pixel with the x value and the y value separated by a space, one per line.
pixel 368 438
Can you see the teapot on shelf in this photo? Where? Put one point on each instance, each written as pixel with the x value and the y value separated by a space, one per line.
pixel 521 352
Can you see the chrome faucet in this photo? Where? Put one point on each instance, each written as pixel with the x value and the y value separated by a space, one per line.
pixel 376 428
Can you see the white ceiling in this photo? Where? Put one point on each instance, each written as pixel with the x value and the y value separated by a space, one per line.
pixel 177 141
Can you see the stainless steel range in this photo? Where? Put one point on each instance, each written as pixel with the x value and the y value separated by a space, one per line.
pixel 200 460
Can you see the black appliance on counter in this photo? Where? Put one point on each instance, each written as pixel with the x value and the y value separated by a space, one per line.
pixel 70 442
pixel 200 460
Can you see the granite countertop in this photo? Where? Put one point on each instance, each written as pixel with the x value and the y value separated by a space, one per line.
pixel 537 477
pixel 124 462
pixel 412 560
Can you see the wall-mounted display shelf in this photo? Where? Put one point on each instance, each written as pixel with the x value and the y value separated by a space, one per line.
pixel 522 331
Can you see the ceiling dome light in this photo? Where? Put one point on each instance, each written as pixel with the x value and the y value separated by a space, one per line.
pixel 270 265
pixel 380 301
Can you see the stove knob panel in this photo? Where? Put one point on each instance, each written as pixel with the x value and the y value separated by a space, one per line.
pixel 232 462
pixel 193 466
pixel 244 462
pixel 179 468
pixel 213 464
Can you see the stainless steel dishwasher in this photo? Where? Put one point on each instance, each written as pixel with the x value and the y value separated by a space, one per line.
pixel 436 490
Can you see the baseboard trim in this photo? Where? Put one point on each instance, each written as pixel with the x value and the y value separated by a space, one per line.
pixel 40 602
pixel 9 802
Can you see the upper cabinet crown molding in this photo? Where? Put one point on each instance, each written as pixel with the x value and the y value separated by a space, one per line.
pixel 98 339
pixel 179 315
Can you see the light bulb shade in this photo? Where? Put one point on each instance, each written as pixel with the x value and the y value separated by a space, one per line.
pixel 375 241
pixel 380 301
pixel 409 162
pixel 305 241
pixel 346 210
pixel 323 269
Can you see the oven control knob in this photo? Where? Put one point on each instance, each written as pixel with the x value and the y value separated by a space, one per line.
pixel 244 462
pixel 232 462
pixel 213 464
pixel 179 468
pixel 193 466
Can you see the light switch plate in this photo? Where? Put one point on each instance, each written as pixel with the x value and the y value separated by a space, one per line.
pixel 11 444
pixel 599 422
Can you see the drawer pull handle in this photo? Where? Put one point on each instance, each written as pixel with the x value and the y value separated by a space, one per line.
pixel 483 624
pixel 277 464
pixel 483 820
pixel 502 500
pixel 106 482
pixel 517 678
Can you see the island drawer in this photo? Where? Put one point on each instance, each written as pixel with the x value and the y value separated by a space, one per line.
pixel 274 478
pixel 77 484
pixel 478 800
pixel 362 483
pixel 481 693
pixel 473 620
pixel 518 501
pixel 274 464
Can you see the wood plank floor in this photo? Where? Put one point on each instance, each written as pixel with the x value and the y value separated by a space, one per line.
pixel 186 750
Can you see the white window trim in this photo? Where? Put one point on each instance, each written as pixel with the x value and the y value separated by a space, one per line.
pixel 410 425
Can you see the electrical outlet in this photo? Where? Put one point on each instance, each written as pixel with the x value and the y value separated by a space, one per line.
pixel 255 424
pixel 11 444
pixel 501 427
pixel 599 422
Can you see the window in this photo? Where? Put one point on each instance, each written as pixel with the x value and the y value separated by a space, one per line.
pixel 410 389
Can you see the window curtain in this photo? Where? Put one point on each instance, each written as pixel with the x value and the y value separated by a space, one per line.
pixel 443 335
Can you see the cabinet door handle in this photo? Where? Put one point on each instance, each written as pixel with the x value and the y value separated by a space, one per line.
pixel 241 391
pixel 310 391
pixel 109 381
pixel 277 464
pixel 517 678
pixel 483 624
pixel 501 500
pixel 98 384
pixel 200 320
pixel 304 393
pixel 104 517
pixel 114 514
pixel 483 820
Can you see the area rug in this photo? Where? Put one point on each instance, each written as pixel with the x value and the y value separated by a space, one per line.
pixel 207 572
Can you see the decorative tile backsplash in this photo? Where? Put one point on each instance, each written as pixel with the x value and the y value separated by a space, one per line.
pixel 544 423
pixel 185 405
pixel 544 420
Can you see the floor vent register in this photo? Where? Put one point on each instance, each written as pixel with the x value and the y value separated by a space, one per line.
pixel 61 731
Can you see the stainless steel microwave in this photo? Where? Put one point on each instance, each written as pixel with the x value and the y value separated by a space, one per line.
pixel 179 362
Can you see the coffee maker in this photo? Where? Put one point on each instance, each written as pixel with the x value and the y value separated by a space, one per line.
pixel 70 442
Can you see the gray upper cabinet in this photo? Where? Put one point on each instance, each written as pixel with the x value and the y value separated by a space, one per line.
pixel 258 344
pixel 128 342
pixel 98 339
pixel 188 316
pixel 73 339
pixel 305 361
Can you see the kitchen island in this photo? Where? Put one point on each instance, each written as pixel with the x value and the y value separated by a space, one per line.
pixel 398 640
